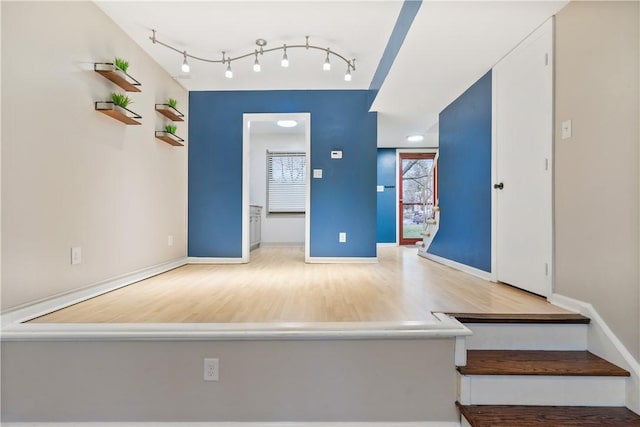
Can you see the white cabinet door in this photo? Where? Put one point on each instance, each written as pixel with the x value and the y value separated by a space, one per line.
pixel 523 132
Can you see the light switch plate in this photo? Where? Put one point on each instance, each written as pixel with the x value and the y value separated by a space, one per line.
pixel 317 173
pixel 337 154
pixel 76 255
pixel 566 129
pixel 380 188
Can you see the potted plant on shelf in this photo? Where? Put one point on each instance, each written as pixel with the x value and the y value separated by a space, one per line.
pixel 172 103
pixel 121 64
pixel 171 129
pixel 120 102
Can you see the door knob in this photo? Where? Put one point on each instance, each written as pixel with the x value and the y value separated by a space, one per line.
pixel 498 186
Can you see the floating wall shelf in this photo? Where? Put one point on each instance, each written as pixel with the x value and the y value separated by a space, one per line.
pixel 119 113
pixel 169 112
pixel 117 76
pixel 169 138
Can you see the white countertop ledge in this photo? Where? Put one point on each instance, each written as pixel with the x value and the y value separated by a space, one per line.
pixel 442 326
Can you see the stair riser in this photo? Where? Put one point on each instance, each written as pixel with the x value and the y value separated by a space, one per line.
pixel 489 336
pixel 541 390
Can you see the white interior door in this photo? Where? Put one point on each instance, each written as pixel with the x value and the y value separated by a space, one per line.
pixel 523 132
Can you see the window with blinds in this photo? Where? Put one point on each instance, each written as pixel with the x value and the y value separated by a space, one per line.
pixel 286 182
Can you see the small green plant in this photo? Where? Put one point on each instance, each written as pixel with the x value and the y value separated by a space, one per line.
pixel 171 129
pixel 172 103
pixel 120 100
pixel 122 64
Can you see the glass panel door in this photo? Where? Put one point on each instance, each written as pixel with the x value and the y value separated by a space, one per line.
pixel 417 190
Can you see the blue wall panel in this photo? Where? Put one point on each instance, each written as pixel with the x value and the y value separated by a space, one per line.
pixel 387 199
pixel 343 200
pixel 464 178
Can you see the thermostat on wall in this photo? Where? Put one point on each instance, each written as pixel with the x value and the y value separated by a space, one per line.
pixel 336 154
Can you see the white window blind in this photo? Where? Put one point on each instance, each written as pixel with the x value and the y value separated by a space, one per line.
pixel 286 183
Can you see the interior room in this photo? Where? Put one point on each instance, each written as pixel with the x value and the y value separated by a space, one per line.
pixel 349 213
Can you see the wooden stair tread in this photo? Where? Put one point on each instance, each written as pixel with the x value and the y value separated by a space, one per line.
pixel 547 416
pixel 537 362
pixel 559 318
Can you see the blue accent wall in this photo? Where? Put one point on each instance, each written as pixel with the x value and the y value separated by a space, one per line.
pixel 464 178
pixel 343 200
pixel 386 231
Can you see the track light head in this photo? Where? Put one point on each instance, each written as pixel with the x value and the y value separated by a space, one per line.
pixel 285 58
pixel 185 64
pixel 228 73
pixel 327 64
pixel 347 76
pixel 256 64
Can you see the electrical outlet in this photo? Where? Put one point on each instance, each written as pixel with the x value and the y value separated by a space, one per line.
pixel 76 255
pixel 211 370
pixel 170 240
pixel 342 237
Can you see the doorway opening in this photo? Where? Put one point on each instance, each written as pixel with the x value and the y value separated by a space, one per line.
pixel 417 193
pixel 276 152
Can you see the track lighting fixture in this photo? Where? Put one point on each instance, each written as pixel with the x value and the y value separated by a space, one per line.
pixel 261 43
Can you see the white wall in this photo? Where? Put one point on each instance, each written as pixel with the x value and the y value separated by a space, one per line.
pixel 596 172
pixel 72 176
pixel 276 229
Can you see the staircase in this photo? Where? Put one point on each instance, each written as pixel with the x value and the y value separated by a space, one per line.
pixel 535 370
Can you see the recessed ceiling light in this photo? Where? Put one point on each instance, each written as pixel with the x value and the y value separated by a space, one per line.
pixel 415 138
pixel 287 123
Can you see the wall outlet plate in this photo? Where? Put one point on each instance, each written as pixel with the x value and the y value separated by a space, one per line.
pixel 337 154
pixel 211 369
pixel 317 173
pixel 342 237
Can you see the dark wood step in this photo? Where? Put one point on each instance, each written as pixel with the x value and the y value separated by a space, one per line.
pixel 547 416
pixel 537 362
pixel 556 318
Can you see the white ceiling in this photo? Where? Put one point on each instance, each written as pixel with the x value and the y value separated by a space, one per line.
pixel 450 45
pixel 356 29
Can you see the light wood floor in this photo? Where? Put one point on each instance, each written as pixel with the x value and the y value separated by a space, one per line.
pixel 277 286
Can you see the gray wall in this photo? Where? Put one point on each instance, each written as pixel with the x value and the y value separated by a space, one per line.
pixel 596 171
pixel 72 176
pixel 372 380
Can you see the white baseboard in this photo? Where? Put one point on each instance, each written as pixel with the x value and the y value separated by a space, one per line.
pixel 341 260
pixel 240 424
pixel 604 343
pixel 387 245
pixel 214 260
pixel 56 302
pixel 458 266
